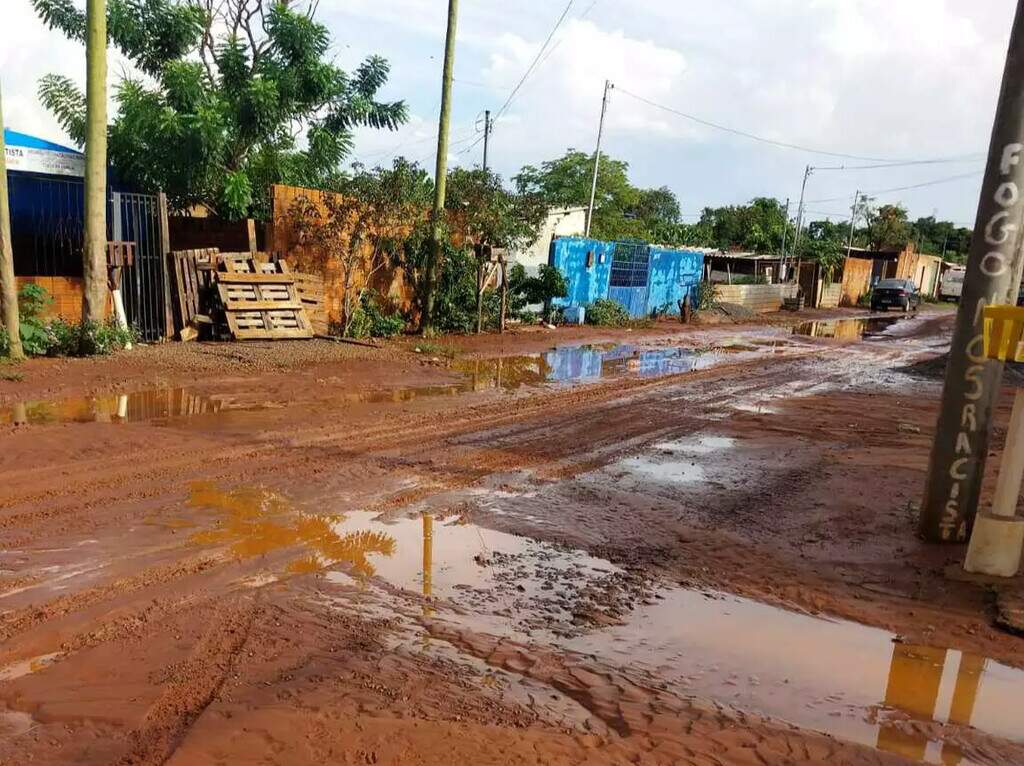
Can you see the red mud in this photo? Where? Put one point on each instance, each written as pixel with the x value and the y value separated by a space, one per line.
pixel 196 589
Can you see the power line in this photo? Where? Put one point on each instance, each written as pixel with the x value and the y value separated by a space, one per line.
pixel 533 63
pixel 773 142
pixel 936 182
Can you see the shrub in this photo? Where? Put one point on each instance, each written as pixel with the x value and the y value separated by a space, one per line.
pixel 87 338
pixel 33 301
pixel 5 343
pixel 371 321
pixel 864 301
pixel 607 313
pixel 706 297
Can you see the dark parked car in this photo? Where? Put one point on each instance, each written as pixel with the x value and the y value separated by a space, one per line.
pixel 896 294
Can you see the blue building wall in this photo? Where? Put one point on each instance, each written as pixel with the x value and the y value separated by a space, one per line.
pixel 672 274
pixel 585 284
pixel 633 298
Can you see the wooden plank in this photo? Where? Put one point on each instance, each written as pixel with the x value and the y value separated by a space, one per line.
pixel 255 279
pixel 179 279
pixel 165 270
pixel 247 305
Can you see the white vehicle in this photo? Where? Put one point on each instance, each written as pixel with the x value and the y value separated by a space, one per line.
pixel 951 286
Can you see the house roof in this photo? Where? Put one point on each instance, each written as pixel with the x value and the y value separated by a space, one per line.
pixel 24 140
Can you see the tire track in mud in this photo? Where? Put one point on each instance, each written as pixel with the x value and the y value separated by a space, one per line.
pixel 196 682
pixel 293 451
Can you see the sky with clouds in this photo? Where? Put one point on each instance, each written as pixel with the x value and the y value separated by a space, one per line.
pixel 885 79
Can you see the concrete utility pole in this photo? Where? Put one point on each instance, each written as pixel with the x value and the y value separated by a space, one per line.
pixel 800 208
pixel 853 220
pixel 94 265
pixel 440 171
pixel 487 134
pixel 782 255
pixel 957 463
pixel 597 155
pixel 8 289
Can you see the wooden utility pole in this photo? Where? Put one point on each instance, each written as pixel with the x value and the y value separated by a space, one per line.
pixel 957 464
pixel 440 172
pixel 487 134
pixel 94 267
pixel 8 288
pixel 597 155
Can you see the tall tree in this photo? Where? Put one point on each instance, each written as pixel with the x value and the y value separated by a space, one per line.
pixel 888 228
pixel 8 289
pixel 228 89
pixel 94 267
pixel 621 210
pixel 486 211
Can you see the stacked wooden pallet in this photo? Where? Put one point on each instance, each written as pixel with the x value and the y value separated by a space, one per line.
pixel 259 299
pixel 243 296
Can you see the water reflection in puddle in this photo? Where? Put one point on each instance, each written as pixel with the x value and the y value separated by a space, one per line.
pixel 846 329
pixel 149 404
pixel 845 679
pixel 848 680
pixel 564 365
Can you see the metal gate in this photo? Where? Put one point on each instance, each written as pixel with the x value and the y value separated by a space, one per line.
pixel 628 284
pixel 136 218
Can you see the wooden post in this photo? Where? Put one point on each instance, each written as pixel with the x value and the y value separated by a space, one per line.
pixel 504 293
pixel 479 296
pixel 165 254
pixel 250 230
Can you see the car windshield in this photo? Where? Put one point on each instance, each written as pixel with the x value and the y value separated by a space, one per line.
pixel 892 284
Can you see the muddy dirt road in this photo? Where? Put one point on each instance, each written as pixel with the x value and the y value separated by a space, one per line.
pixel 669 546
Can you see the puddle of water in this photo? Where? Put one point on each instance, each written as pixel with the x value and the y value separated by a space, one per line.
pixel 851 681
pixel 846 329
pixel 568 365
pixel 841 678
pixel 578 364
pixel 439 558
pixel 23 668
pixel 149 404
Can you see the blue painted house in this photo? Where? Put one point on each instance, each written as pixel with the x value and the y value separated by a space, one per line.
pixel 645 279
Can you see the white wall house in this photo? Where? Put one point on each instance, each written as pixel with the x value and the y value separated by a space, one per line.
pixel 561 222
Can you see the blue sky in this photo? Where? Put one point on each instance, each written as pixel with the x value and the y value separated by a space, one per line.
pixel 892 79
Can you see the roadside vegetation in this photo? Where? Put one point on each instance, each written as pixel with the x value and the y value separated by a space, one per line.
pixel 43 336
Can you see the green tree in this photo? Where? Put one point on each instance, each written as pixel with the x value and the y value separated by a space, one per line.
pixel 479 204
pixel 228 89
pixel 363 227
pixel 888 228
pixel 757 226
pixel 621 210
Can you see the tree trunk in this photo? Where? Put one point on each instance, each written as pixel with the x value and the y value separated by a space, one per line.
pixel 8 289
pixel 94 267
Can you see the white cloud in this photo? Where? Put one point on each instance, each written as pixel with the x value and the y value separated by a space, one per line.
pixel 885 78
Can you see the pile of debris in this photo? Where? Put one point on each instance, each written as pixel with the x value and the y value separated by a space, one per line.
pixel 243 296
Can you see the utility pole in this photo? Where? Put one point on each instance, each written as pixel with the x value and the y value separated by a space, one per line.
pixel 94 265
pixel 8 289
pixel 782 255
pixel 597 155
pixel 957 463
pixel 440 171
pixel 853 221
pixel 800 208
pixel 487 134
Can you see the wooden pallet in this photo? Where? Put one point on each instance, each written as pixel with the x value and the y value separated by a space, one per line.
pixel 191 270
pixel 311 292
pixel 260 299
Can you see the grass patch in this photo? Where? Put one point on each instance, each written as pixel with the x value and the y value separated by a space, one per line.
pixel 447 350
